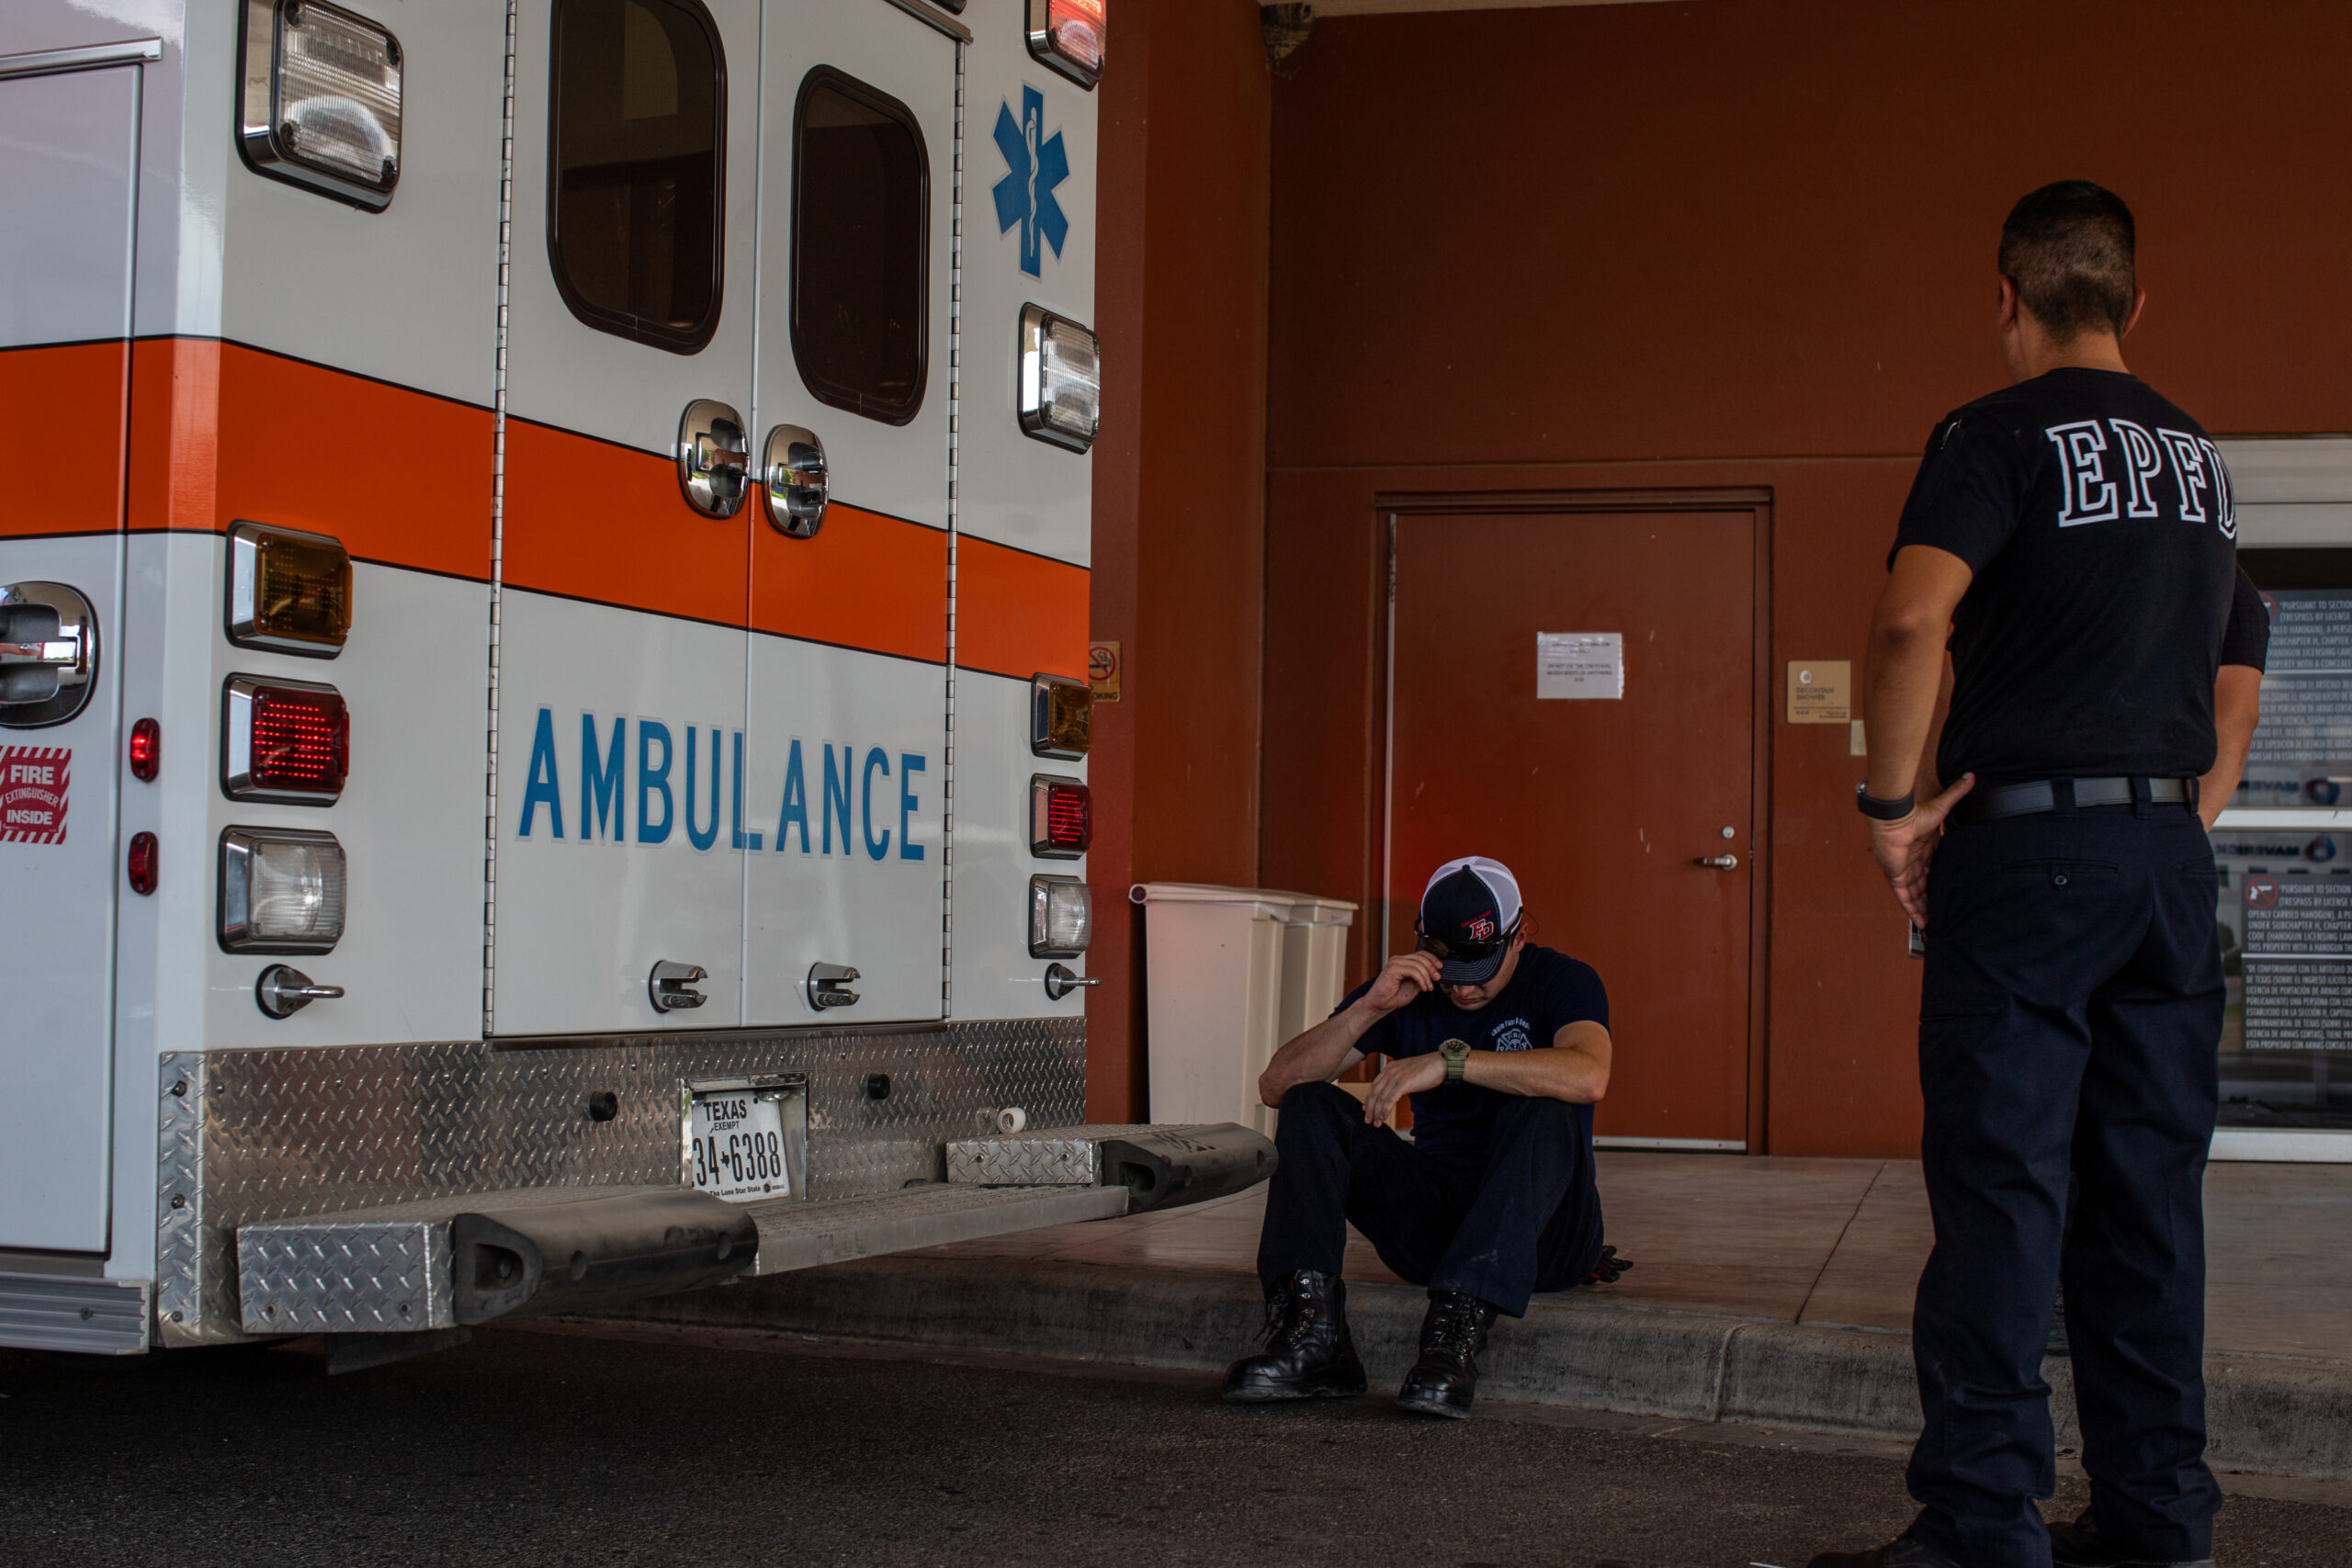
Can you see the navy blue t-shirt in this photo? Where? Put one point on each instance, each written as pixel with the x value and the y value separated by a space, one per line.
pixel 1547 992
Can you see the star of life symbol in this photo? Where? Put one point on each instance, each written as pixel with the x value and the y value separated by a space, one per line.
pixel 1035 165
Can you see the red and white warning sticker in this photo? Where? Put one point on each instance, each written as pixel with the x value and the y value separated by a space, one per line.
pixel 33 781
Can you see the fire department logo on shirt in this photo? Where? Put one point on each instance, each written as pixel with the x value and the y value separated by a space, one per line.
pixel 33 781
pixel 1511 1034
pixel 1035 163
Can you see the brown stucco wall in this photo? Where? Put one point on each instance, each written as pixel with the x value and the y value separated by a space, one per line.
pixel 1739 243
pixel 1178 484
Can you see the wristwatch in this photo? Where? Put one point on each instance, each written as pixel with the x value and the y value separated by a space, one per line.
pixel 1457 1057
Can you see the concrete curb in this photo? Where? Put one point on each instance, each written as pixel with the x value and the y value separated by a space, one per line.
pixel 2270 1415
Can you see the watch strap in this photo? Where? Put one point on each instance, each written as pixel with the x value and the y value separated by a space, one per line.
pixel 1878 810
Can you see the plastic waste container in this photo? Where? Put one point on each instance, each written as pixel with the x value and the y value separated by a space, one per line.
pixel 1230 973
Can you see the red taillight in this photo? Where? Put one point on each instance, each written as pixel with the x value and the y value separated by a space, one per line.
pixel 146 749
pixel 141 863
pixel 283 740
pixel 1061 817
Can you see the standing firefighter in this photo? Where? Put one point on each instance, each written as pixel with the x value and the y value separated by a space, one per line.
pixel 2074 534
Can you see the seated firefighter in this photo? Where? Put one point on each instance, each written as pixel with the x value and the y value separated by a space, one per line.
pixel 1504 1049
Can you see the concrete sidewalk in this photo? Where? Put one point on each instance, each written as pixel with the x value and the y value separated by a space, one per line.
pixel 1768 1289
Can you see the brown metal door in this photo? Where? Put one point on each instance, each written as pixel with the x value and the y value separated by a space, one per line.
pixel 1600 806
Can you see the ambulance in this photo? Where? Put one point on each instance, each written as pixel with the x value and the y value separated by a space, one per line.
pixel 543 617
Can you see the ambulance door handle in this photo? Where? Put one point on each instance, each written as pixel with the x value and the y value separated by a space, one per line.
pixel 714 458
pixel 1061 980
pixel 1721 862
pixel 793 471
pixel 48 653
pixel 282 991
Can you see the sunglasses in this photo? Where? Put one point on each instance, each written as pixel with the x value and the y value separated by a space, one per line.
pixel 1464 951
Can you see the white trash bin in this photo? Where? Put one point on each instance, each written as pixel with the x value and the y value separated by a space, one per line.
pixel 1230 973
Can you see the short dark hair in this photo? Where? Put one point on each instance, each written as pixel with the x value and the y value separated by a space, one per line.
pixel 2067 247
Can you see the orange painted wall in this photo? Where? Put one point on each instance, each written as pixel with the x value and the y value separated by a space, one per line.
pixel 1178 484
pixel 1741 242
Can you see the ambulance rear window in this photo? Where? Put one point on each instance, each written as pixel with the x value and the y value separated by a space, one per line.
pixel 861 239
pixel 635 204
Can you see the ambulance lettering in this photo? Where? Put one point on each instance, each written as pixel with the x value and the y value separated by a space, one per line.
pixel 687 777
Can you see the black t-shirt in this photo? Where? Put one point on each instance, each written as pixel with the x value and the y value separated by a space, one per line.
pixel 2096 516
pixel 1547 992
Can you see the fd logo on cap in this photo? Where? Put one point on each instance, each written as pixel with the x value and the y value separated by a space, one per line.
pixel 1481 928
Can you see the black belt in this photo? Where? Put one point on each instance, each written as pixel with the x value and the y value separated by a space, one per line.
pixel 1998 801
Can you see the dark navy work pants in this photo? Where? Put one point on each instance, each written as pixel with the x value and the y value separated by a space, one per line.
pixel 2069 1022
pixel 1529 1220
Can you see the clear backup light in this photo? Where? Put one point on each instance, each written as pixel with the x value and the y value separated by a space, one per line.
pixel 1061 817
pixel 1067 36
pixel 282 890
pixel 1061 380
pixel 1061 917
pixel 322 99
pixel 288 592
pixel 1061 716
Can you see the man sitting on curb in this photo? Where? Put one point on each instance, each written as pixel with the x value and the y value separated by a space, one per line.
pixel 1504 1049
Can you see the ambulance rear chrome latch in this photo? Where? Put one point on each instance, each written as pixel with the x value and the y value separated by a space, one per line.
pixel 672 985
pixel 829 985
pixel 282 991
pixel 49 654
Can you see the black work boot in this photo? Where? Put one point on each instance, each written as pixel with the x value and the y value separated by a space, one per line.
pixel 2079 1545
pixel 1308 1352
pixel 1442 1381
pixel 1903 1552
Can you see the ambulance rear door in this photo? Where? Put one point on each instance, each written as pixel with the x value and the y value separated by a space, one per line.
pixel 848 693
pixel 621 818
pixel 68 181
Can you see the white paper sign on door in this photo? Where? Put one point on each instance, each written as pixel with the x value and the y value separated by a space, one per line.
pixel 1579 664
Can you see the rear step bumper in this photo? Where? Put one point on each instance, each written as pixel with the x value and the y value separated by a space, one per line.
pixel 446 1263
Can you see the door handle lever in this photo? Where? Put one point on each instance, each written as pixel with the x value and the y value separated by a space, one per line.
pixel 1725 862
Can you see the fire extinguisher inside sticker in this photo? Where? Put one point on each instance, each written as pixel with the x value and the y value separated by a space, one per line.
pixel 33 781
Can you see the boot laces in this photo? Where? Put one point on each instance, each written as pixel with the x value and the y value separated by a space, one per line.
pixel 1456 1328
pixel 1291 1317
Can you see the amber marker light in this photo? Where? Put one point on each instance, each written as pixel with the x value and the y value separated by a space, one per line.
pixel 287 591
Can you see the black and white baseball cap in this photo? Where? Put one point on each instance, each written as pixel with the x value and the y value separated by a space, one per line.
pixel 1471 907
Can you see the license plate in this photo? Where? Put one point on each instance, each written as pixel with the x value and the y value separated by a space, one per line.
pixel 737 1141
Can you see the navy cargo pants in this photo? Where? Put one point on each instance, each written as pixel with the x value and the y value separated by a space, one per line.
pixel 1528 1220
pixel 2069 1022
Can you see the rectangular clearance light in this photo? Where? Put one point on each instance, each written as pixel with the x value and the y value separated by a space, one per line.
pixel 322 103
pixel 1067 36
pixel 1061 917
pixel 1061 716
pixel 282 890
pixel 288 592
pixel 287 741
pixel 1061 817
pixel 1061 380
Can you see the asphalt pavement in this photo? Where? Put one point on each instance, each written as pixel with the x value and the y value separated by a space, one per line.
pixel 552 1449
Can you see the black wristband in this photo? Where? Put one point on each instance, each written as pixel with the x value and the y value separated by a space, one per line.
pixel 1878 810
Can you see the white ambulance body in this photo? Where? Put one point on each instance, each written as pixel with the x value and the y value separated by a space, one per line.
pixel 541 729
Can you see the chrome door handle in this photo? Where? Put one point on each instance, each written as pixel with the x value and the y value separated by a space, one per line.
pixel 829 985
pixel 48 653
pixel 714 458
pixel 672 985
pixel 793 469
pixel 1720 862
pixel 1061 980
pixel 282 991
